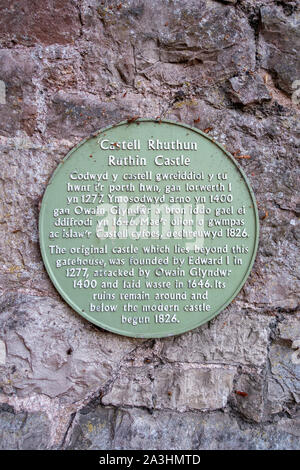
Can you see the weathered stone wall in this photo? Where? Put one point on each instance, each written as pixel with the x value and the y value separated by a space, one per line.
pixel 68 68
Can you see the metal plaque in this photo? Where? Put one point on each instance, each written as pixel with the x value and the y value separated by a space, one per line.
pixel 148 228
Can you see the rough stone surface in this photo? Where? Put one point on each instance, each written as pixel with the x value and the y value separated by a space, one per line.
pixel 17 70
pixel 49 352
pixel 229 68
pixel 247 90
pixel 23 431
pixel 248 396
pixel 243 340
pixel 137 429
pixel 180 388
pixel 56 21
pixel 284 386
pixel 280 42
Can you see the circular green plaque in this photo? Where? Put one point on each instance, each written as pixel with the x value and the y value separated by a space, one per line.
pixel 148 228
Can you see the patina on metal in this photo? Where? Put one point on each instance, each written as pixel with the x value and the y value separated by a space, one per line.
pixel 148 228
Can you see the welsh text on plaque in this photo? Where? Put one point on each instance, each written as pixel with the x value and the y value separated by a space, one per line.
pixel 148 228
